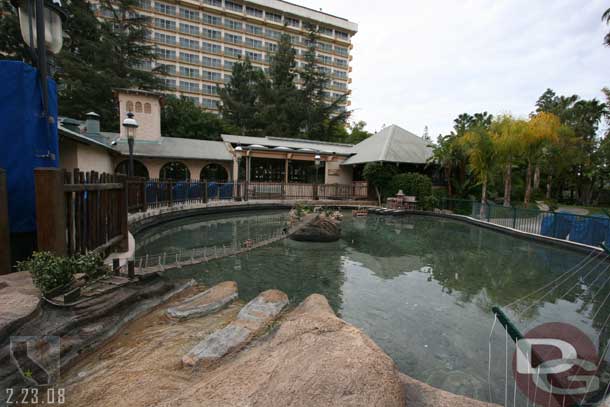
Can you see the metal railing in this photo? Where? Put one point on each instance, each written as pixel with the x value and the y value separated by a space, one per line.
pixel 586 229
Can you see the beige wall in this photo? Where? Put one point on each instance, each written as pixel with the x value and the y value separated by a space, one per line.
pixel 149 123
pixel 337 174
pixel 84 157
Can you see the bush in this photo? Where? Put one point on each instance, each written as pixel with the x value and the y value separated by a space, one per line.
pixel 412 184
pixel 380 177
pixel 50 272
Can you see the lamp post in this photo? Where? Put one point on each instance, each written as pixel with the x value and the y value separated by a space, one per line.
pixel 317 159
pixel 131 125
pixel 238 152
pixel 41 16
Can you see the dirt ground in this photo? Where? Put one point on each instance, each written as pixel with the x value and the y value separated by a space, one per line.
pixel 141 365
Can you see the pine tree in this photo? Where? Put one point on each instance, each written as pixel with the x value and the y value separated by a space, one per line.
pixel 240 98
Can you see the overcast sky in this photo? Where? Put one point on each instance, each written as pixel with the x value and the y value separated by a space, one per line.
pixel 423 62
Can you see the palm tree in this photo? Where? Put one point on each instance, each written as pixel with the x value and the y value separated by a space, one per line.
pixel 481 155
pixel 443 153
pixel 507 136
pixel 606 19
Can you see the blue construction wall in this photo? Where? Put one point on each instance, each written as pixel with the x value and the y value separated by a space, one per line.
pixel 27 140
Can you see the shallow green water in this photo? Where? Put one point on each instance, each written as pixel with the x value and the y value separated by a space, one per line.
pixel 421 287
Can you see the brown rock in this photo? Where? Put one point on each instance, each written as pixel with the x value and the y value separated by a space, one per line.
pixel 207 302
pixel 314 359
pixel 319 229
pixel 19 301
pixel 422 395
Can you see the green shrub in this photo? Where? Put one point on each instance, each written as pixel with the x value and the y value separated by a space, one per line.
pixel 380 175
pixel 430 202
pixel 412 184
pixel 50 272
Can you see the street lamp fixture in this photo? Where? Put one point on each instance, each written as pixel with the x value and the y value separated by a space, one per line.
pixel 317 159
pixel 131 125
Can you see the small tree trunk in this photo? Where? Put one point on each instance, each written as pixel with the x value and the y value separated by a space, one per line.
pixel 528 185
pixel 483 199
pixel 537 178
pixel 378 195
pixel 549 180
pixel 448 176
pixel 508 185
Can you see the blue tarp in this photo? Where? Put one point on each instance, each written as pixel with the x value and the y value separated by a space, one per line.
pixel 27 139
pixel 590 230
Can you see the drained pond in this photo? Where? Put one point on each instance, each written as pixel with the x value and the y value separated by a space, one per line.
pixel 421 287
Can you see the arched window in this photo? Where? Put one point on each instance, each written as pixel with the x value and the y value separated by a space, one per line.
pixel 139 169
pixel 129 106
pixel 146 107
pixel 138 107
pixel 176 171
pixel 214 173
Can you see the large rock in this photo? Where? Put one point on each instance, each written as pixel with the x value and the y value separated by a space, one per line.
pixel 314 359
pixel 250 321
pixel 19 301
pixel 207 302
pixel 422 395
pixel 319 229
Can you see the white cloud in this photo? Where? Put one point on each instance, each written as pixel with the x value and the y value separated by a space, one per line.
pixel 423 62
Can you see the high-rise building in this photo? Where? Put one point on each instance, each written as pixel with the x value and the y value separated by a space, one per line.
pixel 200 41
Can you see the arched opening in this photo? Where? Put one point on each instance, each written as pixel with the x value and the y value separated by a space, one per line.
pixel 176 171
pixel 214 173
pixel 138 107
pixel 139 169
pixel 129 106
pixel 147 108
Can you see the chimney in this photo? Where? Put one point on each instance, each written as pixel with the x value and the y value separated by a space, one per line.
pixel 92 123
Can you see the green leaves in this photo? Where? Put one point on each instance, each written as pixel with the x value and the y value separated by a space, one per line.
pixel 182 118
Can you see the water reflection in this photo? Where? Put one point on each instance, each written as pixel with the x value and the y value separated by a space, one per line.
pixel 421 287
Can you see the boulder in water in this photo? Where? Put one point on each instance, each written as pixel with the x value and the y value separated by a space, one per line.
pixel 318 229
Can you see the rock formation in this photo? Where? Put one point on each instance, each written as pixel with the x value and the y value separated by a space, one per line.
pixel 207 302
pixel 318 229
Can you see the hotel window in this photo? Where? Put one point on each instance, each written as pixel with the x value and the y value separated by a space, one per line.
pixel 340 74
pixel 325 70
pixel 325 59
pixel 254 56
pixel 212 20
pixel 215 3
pixel 193 99
pixel 233 6
pixel 273 34
pixel 138 107
pixel 232 52
pixel 212 76
pixel 145 4
pixel 189 86
pixel 322 46
pixel 233 25
pixel 209 89
pixel 254 29
pixel 325 31
pixel 342 35
pixel 209 103
pixel 189 14
pixel 271 47
pixel 165 8
pixel 213 34
pixel 210 62
pixel 273 17
pixel 190 58
pixel 166 53
pixel 168 69
pixel 233 39
pixel 229 65
pixel 342 51
pixel 295 39
pixel 186 43
pixel 292 22
pixel 251 11
pixel 190 72
pixel 227 78
pixel 213 48
pixel 189 29
pixel 165 24
pixel 340 85
pixel 340 62
pixel 250 42
pixel 146 107
pixel 166 39
pixel 169 83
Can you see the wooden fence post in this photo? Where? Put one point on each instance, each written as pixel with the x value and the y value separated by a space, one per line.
pixel 50 210
pixel 5 234
pixel 124 213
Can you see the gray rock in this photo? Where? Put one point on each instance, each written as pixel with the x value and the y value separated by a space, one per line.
pixel 207 302
pixel 319 229
pixel 251 320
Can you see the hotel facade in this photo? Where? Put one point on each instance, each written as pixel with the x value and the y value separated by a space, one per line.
pixel 198 42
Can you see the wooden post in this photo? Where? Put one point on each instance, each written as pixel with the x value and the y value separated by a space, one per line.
pixel 50 210
pixel 5 234
pixel 116 266
pixel 123 213
pixel 131 272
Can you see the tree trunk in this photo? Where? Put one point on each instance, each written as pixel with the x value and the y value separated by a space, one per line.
pixel 508 185
pixel 378 195
pixel 537 178
pixel 528 185
pixel 448 176
pixel 549 180
pixel 483 199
